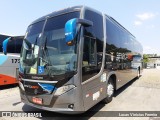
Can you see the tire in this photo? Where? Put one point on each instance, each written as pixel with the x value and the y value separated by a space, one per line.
pixel 110 91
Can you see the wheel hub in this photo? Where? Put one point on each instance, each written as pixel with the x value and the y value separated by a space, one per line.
pixel 110 89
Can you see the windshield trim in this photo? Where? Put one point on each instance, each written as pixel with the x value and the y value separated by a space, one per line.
pixel 29 80
pixel 41 35
pixel 51 16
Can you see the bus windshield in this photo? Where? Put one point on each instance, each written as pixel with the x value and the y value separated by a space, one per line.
pixel 45 51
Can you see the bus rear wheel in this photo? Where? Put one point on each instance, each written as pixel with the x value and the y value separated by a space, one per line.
pixel 110 91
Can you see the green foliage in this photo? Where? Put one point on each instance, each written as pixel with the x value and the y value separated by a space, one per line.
pixel 145 58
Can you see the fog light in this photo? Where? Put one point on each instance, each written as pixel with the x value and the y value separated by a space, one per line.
pixel 71 106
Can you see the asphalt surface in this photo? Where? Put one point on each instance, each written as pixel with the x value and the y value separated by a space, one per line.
pixel 141 94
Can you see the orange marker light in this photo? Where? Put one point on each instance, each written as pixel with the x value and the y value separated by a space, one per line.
pixel 69 43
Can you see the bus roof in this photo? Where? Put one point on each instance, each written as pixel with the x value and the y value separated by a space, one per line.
pixel 59 12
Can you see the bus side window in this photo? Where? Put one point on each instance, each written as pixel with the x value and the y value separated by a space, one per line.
pixel 89 58
pixel 89 63
pixel 11 47
pixel 1 50
pixel 93 44
pixel 18 45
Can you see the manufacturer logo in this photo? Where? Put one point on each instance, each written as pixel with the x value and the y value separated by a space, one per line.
pixel 32 87
pixel 37 78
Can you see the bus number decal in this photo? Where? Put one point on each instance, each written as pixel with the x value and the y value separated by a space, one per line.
pixel 15 60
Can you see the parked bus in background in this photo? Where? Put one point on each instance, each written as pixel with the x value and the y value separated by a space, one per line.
pixel 9 63
pixel 74 58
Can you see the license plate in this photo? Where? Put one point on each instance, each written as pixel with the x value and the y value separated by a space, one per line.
pixel 37 100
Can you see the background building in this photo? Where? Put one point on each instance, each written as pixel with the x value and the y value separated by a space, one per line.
pixel 154 61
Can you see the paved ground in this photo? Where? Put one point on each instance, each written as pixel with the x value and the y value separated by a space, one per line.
pixel 139 95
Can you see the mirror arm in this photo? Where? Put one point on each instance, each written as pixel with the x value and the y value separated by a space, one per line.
pixel 86 23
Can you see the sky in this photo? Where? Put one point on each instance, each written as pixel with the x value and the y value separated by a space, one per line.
pixel 140 17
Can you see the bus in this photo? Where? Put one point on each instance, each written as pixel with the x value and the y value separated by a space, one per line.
pixel 74 58
pixel 9 63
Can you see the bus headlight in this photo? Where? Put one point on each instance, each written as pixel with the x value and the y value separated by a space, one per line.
pixel 64 89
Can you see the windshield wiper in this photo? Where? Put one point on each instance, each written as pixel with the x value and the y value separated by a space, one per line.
pixel 35 44
pixel 45 53
pixel 25 44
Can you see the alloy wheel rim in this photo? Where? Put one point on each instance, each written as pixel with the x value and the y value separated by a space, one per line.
pixel 110 90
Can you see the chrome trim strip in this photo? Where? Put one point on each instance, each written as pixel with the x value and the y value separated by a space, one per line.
pixel 28 80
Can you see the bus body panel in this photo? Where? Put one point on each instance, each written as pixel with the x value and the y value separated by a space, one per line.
pixel 122 50
pixel 9 63
pixel 94 91
pixel 51 102
pixel 8 69
pixel 6 80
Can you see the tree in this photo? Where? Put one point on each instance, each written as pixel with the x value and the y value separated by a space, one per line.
pixel 145 58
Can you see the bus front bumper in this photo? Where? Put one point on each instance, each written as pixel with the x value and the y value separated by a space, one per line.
pixel 64 103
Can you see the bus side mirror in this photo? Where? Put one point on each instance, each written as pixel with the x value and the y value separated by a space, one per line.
pixel 71 29
pixel 5 44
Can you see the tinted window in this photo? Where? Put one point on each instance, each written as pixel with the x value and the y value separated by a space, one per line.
pixel 18 45
pixel 35 28
pixel 113 34
pixel 92 57
pixel 93 45
pixel 120 38
pixel 59 21
pixel 11 46
pixel 2 38
pixel 97 29
pixel 14 45
pixel 120 48
pixel 89 62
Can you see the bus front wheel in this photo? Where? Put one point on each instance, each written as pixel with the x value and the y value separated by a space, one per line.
pixel 110 91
